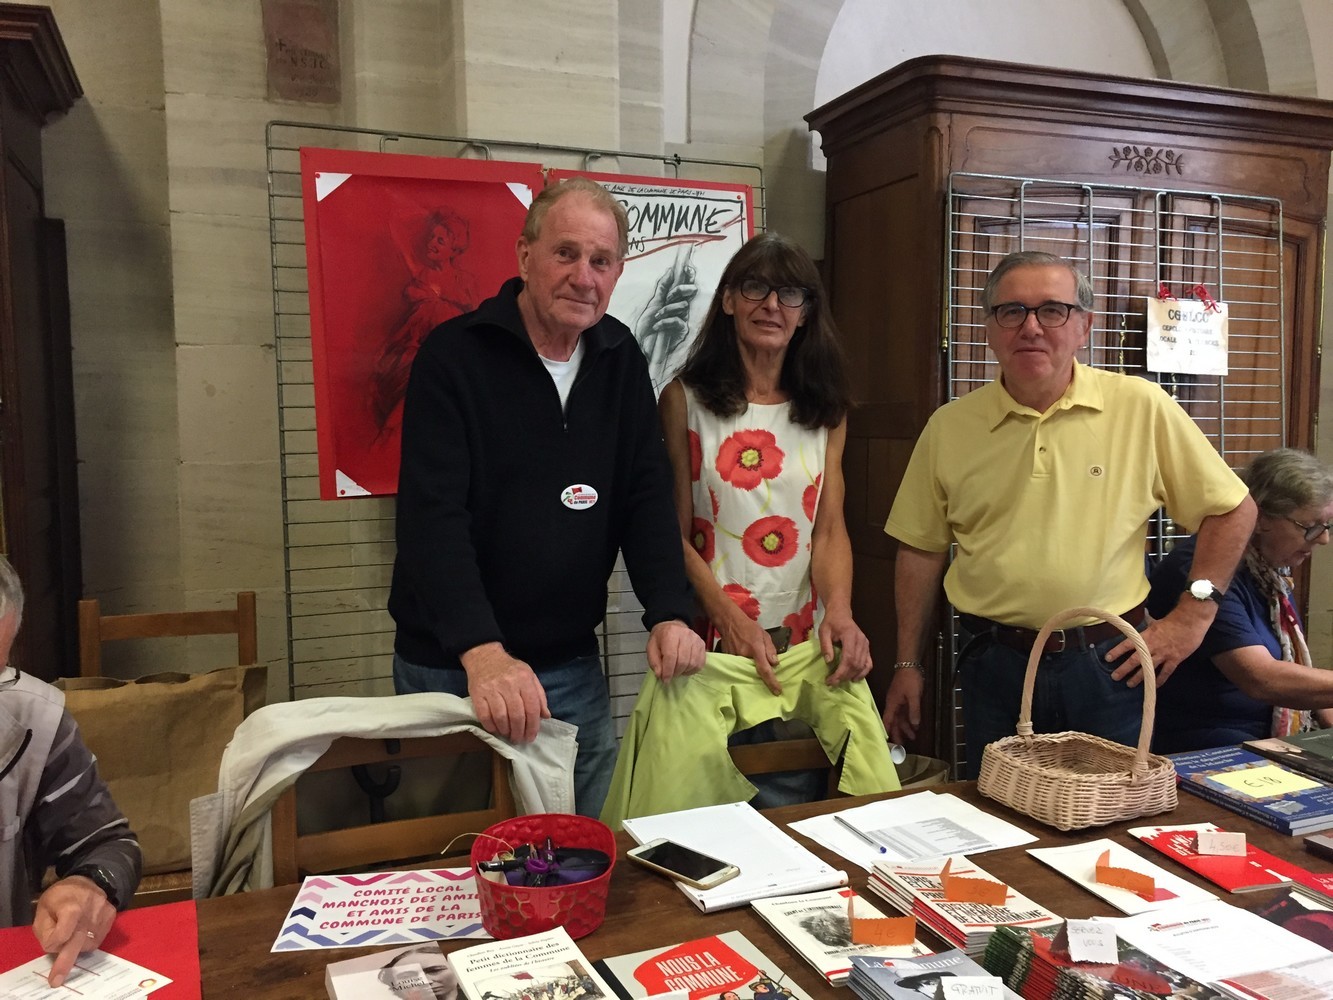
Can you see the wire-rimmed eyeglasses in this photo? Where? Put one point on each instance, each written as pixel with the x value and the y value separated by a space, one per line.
pixel 1312 531
pixel 791 296
pixel 1012 315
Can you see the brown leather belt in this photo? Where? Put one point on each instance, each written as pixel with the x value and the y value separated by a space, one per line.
pixel 1061 639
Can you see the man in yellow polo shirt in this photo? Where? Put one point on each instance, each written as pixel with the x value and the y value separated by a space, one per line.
pixel 1045 479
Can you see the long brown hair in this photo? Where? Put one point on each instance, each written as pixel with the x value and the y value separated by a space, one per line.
pixel 814 373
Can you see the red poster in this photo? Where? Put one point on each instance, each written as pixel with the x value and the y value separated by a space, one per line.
pixel 395 245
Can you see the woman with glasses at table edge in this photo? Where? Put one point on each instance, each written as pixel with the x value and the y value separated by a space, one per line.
pixel 1252 676
pixel 755 426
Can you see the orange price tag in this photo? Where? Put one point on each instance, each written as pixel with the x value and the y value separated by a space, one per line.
pixel 880 930
pixel 1125 878
pixel 965 889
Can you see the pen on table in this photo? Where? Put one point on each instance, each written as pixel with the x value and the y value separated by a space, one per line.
pixel 873 843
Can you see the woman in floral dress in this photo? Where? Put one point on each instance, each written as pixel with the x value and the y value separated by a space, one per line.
pixel 755 426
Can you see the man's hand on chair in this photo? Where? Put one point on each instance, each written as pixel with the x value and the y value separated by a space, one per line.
pixel 507 696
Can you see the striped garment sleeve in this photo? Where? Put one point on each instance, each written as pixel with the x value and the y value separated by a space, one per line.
pixel 74 821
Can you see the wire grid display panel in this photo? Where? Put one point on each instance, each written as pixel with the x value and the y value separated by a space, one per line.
pixel 1131 241
pixel 339 553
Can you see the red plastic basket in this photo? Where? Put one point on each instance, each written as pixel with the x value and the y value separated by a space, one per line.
pixel 514 910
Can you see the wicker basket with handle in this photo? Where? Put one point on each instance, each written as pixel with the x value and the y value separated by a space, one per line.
pixel 1075 780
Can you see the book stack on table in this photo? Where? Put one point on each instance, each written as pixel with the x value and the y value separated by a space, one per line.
pixel 1030 964
pixel 916 888
pixel 1257 787
pixel 912 978
pixel 817 926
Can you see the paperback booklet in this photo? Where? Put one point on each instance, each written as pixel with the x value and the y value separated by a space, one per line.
pixel 1308 759
pixel 916 888
pixel 1257 788
pixel 416 972
pixel 1079 864
pixel 877 978
pixel 548 964
pixel 1308 980
pixel 705 968
pixel 1255 869
pixel 817 927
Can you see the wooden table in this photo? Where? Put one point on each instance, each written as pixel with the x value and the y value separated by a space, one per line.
pixel 644 910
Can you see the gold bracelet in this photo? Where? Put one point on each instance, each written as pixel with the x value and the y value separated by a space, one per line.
pixel 908 665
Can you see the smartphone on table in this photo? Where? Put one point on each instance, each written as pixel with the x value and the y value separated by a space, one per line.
pixel 684 864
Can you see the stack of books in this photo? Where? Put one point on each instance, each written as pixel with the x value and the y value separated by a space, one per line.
pixel 1310 753
pixel 914 887
pixel 818 929
pixel 1029 963
pixel 875 978
pixel 1257 788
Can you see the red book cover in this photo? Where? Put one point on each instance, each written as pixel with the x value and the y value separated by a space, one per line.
pixel 1256 869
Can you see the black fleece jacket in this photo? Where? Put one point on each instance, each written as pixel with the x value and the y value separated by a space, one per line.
pixel 487 550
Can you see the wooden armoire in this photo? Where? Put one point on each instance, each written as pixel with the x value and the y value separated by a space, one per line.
pixel 939 167
pixel 39 510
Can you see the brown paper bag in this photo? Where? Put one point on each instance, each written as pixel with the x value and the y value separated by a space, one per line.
pixel 158 742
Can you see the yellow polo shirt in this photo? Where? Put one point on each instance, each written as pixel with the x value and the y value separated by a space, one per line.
pixel 1050 511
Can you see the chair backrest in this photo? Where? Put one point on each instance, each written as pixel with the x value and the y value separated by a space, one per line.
pixel 96 628
pixel 369 845
pixel 806 754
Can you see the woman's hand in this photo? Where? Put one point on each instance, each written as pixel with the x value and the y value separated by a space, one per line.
pixel 742 636
pixel 838 629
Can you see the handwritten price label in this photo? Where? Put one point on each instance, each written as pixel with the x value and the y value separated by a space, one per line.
pixel 971 988
pixel 1091 941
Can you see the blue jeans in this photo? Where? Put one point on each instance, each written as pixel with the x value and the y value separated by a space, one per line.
pixel 1074 690
pixel 576 692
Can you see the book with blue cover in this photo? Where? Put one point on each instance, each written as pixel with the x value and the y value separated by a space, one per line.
pixel 1257 788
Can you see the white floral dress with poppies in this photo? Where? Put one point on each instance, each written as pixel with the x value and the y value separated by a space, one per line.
pixel 755 479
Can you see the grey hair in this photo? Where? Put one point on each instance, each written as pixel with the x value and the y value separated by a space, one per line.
pixel 11 591
pixel 598 195
pixel 1036 258
pixel 1286 479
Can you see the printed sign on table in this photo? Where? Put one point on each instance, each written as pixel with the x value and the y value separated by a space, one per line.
pixel 378 908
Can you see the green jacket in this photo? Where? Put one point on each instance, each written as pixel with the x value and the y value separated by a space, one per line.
pixel 674 753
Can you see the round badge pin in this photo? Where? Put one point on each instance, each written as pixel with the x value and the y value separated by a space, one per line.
pixel 579 496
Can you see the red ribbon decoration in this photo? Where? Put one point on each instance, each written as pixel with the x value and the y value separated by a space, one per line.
pixel 1200 292
pixel 1164 292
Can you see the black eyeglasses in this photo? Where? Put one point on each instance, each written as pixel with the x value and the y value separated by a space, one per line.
pixel 791 296
pixel 1012 315
pixel 1312 531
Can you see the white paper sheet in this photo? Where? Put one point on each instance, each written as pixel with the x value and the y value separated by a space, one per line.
pixel 771 863
pixel 96 976
pixel 921 825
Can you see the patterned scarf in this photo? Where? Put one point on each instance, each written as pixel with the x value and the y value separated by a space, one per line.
pixel 1275 586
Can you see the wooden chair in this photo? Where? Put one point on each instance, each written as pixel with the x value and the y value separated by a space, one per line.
pixel 805 754
pixel 96 628
pixel 371 845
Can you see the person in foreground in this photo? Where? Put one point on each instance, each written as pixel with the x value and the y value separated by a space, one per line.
pixel 755 426
pixel 532 453
pixel 61 813
pixel 1045 480
pixel 1251 677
